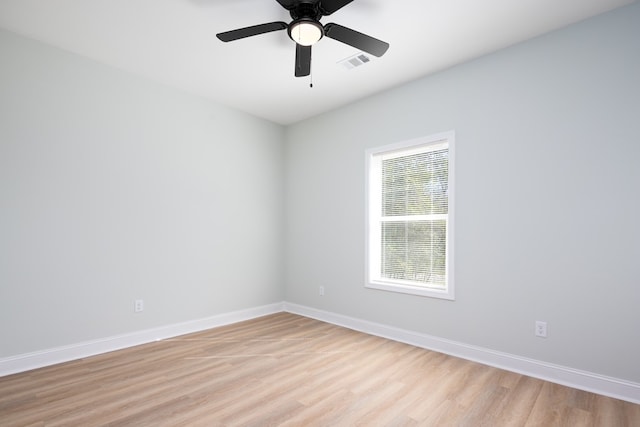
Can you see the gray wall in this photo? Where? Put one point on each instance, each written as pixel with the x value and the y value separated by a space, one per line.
pixel 547 199
pixel 114 188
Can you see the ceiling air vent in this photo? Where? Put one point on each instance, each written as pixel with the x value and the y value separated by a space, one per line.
pixel 354 61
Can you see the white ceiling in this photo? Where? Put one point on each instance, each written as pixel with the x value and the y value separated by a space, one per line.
pixel 173 42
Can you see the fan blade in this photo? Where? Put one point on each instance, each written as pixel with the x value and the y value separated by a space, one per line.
pixel 354 38
pixel 254 30
pixel 303 60
pixel 287 4
pixel 327 7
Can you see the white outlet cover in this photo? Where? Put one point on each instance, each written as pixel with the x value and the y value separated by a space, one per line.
pixel 541 329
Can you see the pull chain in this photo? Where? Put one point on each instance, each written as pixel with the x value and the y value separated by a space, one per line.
pixel 310 75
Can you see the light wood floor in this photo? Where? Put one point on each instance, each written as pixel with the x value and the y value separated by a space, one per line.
pixel 289 370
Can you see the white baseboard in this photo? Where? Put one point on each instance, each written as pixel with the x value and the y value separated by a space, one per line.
pixel 39 359
pixel 588 381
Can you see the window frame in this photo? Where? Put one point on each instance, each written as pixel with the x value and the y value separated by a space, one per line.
pixel 373 217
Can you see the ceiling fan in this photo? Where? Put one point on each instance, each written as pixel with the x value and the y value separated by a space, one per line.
pixel 306 30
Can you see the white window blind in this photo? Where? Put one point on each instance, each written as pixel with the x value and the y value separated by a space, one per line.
pixel 409 217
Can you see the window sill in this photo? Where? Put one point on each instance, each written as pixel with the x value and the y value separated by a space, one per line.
pixel 412 290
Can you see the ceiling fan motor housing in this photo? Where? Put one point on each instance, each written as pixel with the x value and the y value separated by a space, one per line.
pixel 306 9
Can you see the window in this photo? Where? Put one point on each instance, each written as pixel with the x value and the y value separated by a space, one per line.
pixel 410 217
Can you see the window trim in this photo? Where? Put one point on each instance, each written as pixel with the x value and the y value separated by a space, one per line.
pixel 372 195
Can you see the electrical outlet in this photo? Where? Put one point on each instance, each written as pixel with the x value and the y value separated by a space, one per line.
pixel 321 291
pixel 541 329
pixel 138 305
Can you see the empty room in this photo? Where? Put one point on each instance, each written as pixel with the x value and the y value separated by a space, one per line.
pixel 319 213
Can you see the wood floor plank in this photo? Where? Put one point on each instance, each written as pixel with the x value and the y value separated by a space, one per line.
pixel 288 370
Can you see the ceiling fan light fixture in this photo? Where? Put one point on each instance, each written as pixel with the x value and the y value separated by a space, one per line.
pixel 306 31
